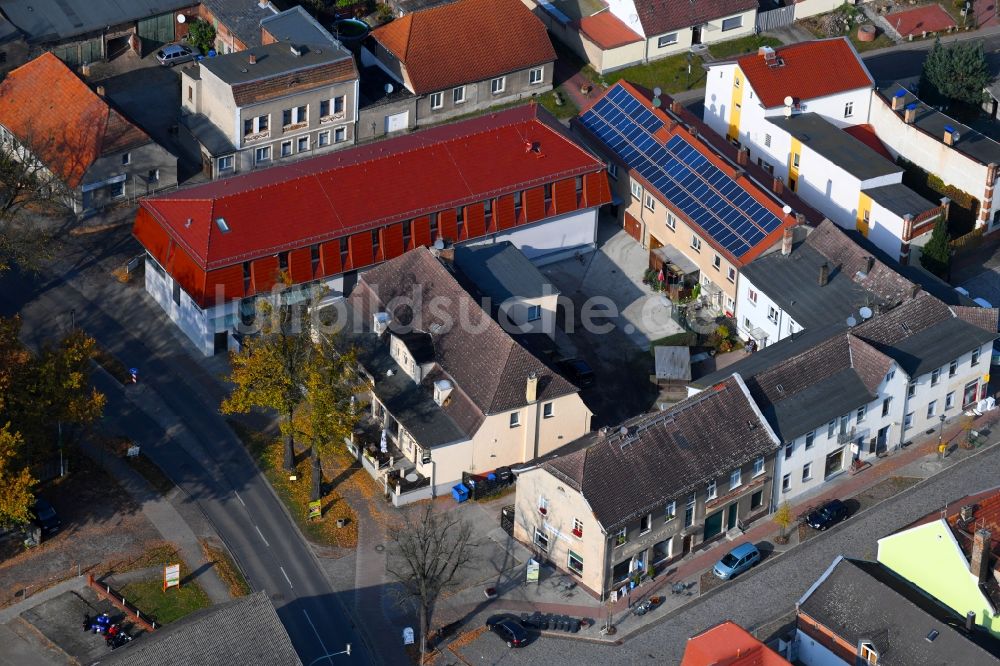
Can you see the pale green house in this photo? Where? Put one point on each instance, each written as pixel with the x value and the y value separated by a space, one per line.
pixel 949 558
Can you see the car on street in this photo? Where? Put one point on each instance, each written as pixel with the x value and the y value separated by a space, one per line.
pixel 509 629
pixel 174 54
pixel 577 371
pixel 46 517
pixel 827 515
pixel 736 561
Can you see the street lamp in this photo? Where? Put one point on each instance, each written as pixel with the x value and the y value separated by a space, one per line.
pixel 941 446
pixel 346 650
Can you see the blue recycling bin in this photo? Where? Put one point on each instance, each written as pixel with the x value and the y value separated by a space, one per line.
pixel 460 492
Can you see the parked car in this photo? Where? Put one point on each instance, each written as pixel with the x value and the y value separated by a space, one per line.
pixel 827 515
pixel 46 517
pixel 737 561
pixel 577 371
pixel 509 629
pixel 174 54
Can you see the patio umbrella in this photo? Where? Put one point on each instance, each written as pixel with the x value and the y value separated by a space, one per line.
pixel 384 444
pixel 660 277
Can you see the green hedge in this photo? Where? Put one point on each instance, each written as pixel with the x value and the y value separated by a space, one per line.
pixel 964 207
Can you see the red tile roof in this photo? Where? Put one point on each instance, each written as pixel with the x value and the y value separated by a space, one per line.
pixel 985 515
pixel 66 124
pixel 729 644
pixel 660 16
pixel 932 18
pixel 466 41
pixel 607 31
pixel 368 187
pixel 866 134
pixel 811 69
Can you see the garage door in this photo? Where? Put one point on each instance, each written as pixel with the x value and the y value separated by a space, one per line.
pixel 397 121
pixel 156 30
pixel 633 227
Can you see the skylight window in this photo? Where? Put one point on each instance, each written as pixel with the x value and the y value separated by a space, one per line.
pixel 221 223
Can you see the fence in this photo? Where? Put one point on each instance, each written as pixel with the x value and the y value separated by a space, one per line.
pixel 775 18
pixel 120 603
pixel 969 241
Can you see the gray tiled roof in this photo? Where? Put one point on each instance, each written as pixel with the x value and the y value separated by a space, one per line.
pixel 500 271
pixel 974 144
pixel 244 631
pixel 654 458
pixel 900 199
pixel 845 151
pixel 295 25
pixel 53 20
pixel 865 601
pixel 857 278
pixel 241 17
pixel 487 368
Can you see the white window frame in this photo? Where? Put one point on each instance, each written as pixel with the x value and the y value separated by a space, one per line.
pixel 935 376
pixel 752 296
pixel 786 482
pixel 515 419
pixel 848 109
pixel 298 144
pixel 613 170
pixel 671 222
pixel 340 132
pixel 645 524
pixel 536 75
pixel 671 511
pixel 649 202
pixel 810 440
pixel 807 471
pixel 666 40
pixel 226 160
pixel 323 139
pixel 636 189
pixel 498 85
pixel 620 537
pixel 126 159
pixel 294 115
pixel 729 21
pixel 975 356
pixel 731 275
pixel 712 491
pixel 286 148
pixel 949 400
pixel 695 243
pixel 266 150
pixel 772 314
pixel 437 101
pixel 257 126
pixel 953 368
pixel 908 421
pixel 541 540
pixel 735 479
pixel 932 408
pixel 577 526
pixel 569 562
pixel 758 466
pixel 458 95
pixel 862 413
pixel 548 410
pixel 534 312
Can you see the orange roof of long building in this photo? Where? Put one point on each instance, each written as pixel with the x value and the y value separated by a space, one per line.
pixel 729 644
pixel 806 70
pixel 466 41
pixel 66 125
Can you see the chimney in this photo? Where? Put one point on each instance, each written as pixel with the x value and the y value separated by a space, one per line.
pixel 869 264
pixel 442 389
pixel 800 218
pixel 970 621
pixel 898 99
pixel 777 185
pixel 738 173
pixel 945 207
pixel 786 240
pixel 531 388
pixel 910 114
pixel 979 563
pixel 967 512
pixel 253 59
pixel 743 156
pixel 915 290
pixel 824 274
pixel 676 106
pixel 693 130
pixel 100 91
pixel 949 135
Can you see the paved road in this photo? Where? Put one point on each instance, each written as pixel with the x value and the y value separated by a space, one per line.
pixel 186 437
pixel 767 592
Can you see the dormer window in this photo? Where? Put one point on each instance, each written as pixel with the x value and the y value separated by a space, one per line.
pixel 868 654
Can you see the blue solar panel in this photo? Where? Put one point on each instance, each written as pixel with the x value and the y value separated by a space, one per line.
pixel 685 177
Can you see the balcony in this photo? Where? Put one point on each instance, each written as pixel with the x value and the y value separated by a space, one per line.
pixel 401 481
pixel 846 436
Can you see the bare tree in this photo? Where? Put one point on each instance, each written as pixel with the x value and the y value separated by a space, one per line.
pixel 428 553
pixel 26 185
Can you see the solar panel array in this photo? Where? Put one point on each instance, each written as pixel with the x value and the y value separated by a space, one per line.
pixel 687 179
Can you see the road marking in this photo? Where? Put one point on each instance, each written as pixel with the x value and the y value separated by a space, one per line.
pixel 287 578
pixel 239 498
pixel 262 536
pixel 318 637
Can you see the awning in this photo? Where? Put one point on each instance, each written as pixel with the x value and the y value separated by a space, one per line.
pixel 711 288
pixel 671 255
pixel 758 334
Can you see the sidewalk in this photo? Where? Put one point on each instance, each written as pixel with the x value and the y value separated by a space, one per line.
pixel 919 459
pixel 164 518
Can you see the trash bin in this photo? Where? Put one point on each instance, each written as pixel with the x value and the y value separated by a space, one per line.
pixel 460 492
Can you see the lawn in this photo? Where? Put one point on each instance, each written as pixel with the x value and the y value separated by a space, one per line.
pixel 295 494
pixel 735 47
pixel 683 339
pixel 165 607
pixel 669 74
pixel 567 109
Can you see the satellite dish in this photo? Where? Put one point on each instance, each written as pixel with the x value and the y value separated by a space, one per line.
pixel 851 321
pixel 789 101
pixel 865 312
pixel 388 89
pixel 955 136
pixel 787 209
pixel 181 18
pixel 656 101
pixel 657 92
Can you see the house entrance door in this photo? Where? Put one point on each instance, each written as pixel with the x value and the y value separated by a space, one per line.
pixel 686 545
pixel 696 35
pixel 713 525
pixel 731 519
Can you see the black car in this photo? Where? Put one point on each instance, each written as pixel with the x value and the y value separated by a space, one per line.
pixel 577 371
pixel 46 517
pixel 827 515
pixel 509 629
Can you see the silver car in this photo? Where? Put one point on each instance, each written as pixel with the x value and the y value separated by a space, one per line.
pixel 173 54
